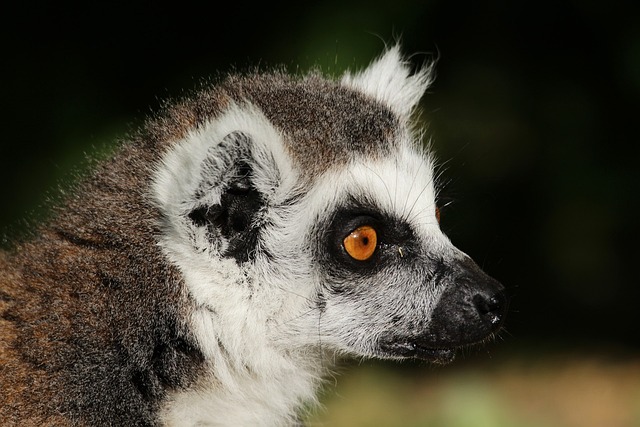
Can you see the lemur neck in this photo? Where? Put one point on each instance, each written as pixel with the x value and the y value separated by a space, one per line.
pixel 272 389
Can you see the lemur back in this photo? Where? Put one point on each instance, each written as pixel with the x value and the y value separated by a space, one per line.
pixel 211 270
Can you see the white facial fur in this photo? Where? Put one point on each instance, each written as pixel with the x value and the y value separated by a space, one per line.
pixel 389 80
pixel 257 323
pixel 235 305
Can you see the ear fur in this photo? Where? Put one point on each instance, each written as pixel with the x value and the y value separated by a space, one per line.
pixel 225 164
pixel 213 186
pixel 186 170
pixel 389 80
pixel 229 173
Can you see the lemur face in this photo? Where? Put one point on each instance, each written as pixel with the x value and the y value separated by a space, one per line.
pixel 393 284
pixel 307 219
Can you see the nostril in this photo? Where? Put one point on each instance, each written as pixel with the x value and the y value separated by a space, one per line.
pixel 490 307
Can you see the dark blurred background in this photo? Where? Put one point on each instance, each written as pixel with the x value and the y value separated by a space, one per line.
pixel 533 112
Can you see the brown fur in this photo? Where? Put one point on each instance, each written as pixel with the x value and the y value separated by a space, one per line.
pixel 92 317
pixel 75 299
pixel 306 110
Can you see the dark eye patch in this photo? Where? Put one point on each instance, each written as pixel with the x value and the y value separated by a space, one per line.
pixel 395 238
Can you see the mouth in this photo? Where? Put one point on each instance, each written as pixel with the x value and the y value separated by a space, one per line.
pixel 414 350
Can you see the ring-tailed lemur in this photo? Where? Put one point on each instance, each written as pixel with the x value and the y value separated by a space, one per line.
pixel 209 272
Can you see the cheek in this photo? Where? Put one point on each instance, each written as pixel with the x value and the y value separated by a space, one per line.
pixel 399 297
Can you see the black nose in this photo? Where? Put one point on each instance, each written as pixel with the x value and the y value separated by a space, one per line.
pixel 471 308
pixel 491 308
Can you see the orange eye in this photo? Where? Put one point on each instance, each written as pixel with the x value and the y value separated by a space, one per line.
pixel 361 243
pixel 438 214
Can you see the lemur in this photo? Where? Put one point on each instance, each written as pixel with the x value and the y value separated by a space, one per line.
pixel 212 270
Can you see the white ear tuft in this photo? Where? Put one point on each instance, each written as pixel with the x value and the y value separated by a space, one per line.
pixel 389 80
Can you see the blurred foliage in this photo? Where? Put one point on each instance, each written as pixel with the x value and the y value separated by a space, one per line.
pixel 574 391
pixel 532 116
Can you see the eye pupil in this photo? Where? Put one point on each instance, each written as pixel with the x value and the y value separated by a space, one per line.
pixel 361 243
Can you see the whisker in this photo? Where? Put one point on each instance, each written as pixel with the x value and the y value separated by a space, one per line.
pixel 427 185
pixel 322 361
pixel 395 192
pixel 381 180
pixel 294 293
pixel 416 215
pixel 311 310
pixel 439 172
pixel 413 181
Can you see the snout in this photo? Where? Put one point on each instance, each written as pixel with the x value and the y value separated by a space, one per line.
pixel 471 308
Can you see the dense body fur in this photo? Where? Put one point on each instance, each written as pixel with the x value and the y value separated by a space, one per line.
pixel 199 276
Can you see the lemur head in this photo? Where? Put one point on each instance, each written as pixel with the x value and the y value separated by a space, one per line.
pixel 303 217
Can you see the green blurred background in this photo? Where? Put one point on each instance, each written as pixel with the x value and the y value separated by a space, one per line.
pixel 533 113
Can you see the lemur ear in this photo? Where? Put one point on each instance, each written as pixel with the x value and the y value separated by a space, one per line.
pixel 226 165
pixel 389 80
pixel 229 201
